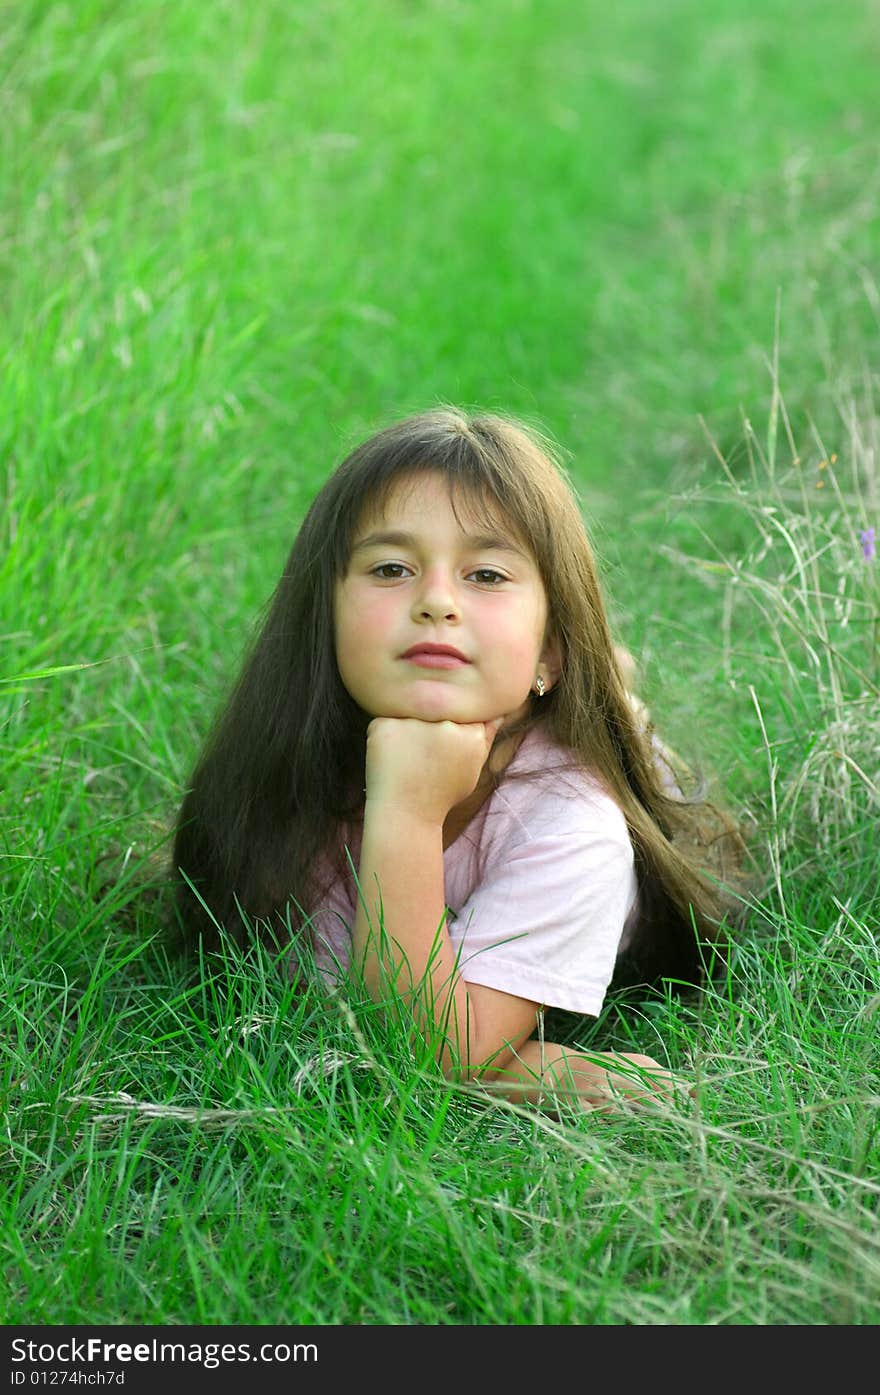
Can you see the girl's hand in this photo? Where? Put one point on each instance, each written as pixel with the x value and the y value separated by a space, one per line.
pixel 426 768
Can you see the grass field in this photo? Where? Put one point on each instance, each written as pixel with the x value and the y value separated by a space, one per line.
pixel 236 239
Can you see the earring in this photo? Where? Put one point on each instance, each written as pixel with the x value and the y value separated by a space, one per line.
pixel 540 685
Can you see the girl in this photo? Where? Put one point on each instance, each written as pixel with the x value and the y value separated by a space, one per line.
pixel 430 770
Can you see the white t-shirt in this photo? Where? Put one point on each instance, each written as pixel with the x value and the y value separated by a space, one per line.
pixel 547 918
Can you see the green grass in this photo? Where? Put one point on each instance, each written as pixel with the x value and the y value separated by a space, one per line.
pixel 234 240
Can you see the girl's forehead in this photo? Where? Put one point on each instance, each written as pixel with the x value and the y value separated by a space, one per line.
pixel 470 507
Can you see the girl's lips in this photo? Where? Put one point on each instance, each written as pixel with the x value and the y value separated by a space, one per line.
pixel 426 660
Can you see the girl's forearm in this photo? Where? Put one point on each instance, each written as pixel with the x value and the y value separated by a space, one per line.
pixel 400 937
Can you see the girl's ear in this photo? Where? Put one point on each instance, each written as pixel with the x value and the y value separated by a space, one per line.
pixel 551 658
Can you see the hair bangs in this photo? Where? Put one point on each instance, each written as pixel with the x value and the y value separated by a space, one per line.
pixel 481 492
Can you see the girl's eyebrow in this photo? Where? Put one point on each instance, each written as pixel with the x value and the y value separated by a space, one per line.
pixel 480 541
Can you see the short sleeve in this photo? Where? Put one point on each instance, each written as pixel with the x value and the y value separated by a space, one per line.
pixel 547 920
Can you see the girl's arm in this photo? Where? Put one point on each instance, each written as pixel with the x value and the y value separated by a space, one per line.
pixel 400 939
pixel 416 772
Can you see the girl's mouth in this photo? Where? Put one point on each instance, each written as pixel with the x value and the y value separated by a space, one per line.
pixel 425 660
pixel 428 654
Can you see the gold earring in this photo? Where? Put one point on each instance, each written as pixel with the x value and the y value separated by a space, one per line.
pixel 540 685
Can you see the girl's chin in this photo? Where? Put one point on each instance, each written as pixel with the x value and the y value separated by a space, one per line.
pixel 434 714
pixel 436 702
pixel 445 707
pixel 432 711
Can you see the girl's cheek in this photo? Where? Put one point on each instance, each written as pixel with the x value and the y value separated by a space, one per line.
pixel 368 620
pixel 372 615
pixel 513 634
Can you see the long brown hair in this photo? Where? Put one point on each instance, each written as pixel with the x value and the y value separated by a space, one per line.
pixel 282 769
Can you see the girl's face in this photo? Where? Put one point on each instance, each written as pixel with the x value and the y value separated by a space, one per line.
pixel 416 577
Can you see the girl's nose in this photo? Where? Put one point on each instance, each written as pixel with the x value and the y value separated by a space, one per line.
pixel 436 597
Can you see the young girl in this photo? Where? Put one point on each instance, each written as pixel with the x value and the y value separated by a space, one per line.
pixel 431 770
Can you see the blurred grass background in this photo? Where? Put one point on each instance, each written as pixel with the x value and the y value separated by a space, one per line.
pixel 234 240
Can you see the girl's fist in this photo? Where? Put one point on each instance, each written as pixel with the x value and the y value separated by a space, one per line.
pixel 426 768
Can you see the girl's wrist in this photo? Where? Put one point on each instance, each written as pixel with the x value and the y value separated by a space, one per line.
pixel 385 810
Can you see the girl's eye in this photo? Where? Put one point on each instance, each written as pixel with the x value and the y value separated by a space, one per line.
pixel 383 567
pixel 488 571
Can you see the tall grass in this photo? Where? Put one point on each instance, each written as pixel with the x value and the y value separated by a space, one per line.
pixel 802 597
pixel 232 240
